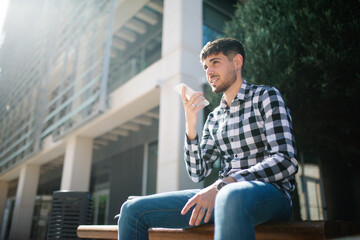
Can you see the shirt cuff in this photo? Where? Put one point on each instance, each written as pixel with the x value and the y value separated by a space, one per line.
pixel 237 177
pixel 191 142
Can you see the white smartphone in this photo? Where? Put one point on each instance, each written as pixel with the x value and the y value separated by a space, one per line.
pixel 189 92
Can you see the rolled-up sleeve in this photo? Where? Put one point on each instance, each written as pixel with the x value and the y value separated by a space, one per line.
pixel 199 158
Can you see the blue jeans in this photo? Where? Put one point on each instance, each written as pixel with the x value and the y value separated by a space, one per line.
pixel 238 208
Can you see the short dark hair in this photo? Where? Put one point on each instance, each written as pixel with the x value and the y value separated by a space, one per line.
pixel 228 46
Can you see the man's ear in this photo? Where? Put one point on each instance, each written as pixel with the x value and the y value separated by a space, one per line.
pixel 238 61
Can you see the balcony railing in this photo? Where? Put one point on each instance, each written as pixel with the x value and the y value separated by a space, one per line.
pixel 124 68
pixel 59 85
pixel 72 63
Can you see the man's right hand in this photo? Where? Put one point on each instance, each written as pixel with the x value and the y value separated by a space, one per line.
pixel 191 109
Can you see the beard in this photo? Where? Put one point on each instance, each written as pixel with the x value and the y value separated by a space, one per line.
pixel 225 82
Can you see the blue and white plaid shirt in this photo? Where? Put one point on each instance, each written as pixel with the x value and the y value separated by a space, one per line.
pixel 253 139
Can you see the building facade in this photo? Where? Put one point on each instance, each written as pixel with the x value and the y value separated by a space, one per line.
pixel 88 102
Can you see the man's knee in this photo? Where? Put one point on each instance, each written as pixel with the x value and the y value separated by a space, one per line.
pixel 234 196
pixel 128 210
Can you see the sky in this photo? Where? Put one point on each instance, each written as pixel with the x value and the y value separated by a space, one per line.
pixel 3 8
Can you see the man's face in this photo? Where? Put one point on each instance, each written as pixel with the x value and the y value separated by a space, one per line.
pixel 220 72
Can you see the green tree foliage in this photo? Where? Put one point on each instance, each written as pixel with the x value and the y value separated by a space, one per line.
pixel 310 51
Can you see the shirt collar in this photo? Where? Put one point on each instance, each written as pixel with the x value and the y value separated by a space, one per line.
pixel 244 93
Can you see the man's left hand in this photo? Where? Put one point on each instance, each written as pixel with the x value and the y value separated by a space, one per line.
pixel 205 202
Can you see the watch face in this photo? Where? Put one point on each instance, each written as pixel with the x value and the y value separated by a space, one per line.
pixel 220 185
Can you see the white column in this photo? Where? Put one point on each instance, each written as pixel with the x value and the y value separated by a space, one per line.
pixel 4 187
pixel 181 45
pixel 25 201
pixel 77 164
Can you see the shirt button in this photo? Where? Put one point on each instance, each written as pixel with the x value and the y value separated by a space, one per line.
pixel 236 155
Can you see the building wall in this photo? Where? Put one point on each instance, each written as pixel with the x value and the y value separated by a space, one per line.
pixel 100 90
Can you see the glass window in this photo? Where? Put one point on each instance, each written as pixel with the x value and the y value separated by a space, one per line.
pixel 128 66
pixel 152 168
pixel 153 51
pixel 100 207
pixel 210 34
pixel 41 215
pixel 310 189
pixel 214 17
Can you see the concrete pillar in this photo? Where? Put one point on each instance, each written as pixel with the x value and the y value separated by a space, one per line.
pixel 4 187
pixel 77 164
pixel 25 201
pixel 181 45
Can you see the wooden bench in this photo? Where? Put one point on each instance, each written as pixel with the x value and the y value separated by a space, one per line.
pixel 280 231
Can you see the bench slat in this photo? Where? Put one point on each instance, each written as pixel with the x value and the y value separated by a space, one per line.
pixel 291 230
pixel 204 232
pixel 281 231
pixel 97 231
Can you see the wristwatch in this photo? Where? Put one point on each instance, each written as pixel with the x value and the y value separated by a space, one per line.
pixel 220 184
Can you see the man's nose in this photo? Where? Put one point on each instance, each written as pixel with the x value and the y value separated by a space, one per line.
pixel 209 72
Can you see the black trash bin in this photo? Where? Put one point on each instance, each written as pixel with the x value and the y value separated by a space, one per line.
pixel 68 210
